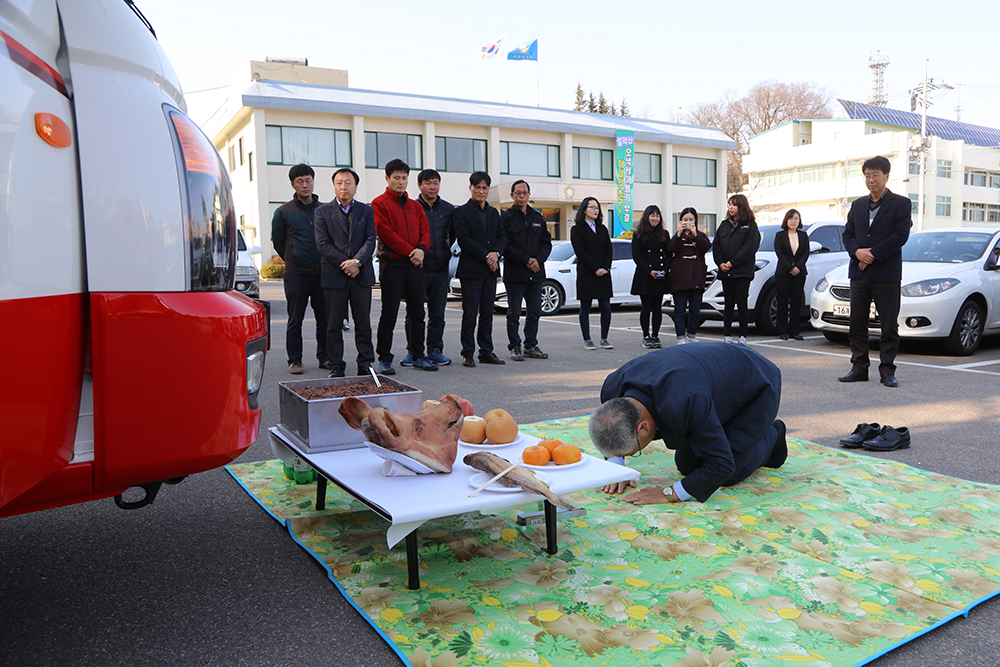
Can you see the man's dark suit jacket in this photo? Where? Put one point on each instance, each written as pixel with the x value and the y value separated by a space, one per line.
pixel 885 236
pixel 479 233
pixel 693 393
pixel 339 239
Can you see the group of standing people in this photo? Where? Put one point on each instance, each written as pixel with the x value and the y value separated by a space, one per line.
pixel 329 250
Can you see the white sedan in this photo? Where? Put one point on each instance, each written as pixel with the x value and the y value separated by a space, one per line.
pixel 559 288
pixel 950 290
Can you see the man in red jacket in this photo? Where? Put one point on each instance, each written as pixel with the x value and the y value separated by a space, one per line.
pixel 404 236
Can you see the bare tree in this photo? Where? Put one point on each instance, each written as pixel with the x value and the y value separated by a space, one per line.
pixel 766 105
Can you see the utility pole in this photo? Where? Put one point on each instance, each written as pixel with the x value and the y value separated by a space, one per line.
pixel 923 154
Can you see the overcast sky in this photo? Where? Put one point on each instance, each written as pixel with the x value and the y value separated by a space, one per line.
pixel 660 56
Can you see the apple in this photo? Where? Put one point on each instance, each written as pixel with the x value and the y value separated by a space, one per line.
pixel 428 404
pixel 463 403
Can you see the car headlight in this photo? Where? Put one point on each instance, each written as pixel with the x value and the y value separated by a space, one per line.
pixel 929 287
pixel 822 285
pixel 246 270
pixel 760 264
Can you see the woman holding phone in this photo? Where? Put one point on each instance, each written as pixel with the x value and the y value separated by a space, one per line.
pixel 687 275
pixel 791 245
pixel 735 253
pixel 652 266
pixel 592 245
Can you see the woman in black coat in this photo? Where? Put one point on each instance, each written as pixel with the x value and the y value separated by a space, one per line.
pixel 592 245
pixel 791 245
pixel 652 270
pixel 687 274
pixel 735 253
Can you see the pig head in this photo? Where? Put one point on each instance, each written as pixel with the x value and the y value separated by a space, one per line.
pixel 430 436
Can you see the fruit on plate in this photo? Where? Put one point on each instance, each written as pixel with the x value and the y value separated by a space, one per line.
pixel 501 431
pixel 474 430
pixel 550 445
pixel 428 404
pixel 495 413
pixel 466 404
pixel 535 455
pixel 566 454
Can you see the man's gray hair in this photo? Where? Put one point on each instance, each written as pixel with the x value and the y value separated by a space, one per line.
pixel 613 427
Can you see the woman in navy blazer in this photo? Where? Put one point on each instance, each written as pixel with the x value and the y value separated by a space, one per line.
pixel 791 245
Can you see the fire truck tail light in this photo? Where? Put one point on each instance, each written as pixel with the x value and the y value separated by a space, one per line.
pixel 207 205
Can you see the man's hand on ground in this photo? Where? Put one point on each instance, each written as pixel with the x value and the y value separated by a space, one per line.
pixel 617 487
pixel 651 495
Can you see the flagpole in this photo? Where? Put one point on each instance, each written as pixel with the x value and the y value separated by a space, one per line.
pixel 506 95
pixel 538 87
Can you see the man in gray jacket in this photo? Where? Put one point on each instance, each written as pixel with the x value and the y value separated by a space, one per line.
pixel 345 236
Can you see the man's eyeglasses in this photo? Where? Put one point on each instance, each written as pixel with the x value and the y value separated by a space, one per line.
pixel 520 193
pixel 638 451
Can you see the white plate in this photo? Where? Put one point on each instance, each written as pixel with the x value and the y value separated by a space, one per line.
pixel 489 445
pixel 480 478
pixel 389 455
pixel 552 466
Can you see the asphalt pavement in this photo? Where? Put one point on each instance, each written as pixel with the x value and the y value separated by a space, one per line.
pixel 203 576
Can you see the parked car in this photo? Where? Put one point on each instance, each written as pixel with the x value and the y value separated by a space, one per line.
pixel 559 288
pixel 827 252
pixel 247 275
pixel 950 291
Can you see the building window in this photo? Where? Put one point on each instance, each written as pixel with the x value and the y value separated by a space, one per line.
pixel 250 164
pixel 460 155
pixel 972 212
pixel 696 171
pixel 975 178
pixel 993 213
pixel 875 130
pixel 241 151
pixel 317 147
pixel 852 169
pixel 593 164
pixel 944 168
pixel 232 158
pixel 943 207
pixel 914 204
pixel 914 163
pixel 529 159
pixel 995 180
pixel 380 147
pixel 648 168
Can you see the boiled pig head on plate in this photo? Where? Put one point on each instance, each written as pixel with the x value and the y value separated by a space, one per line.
pixel 429 436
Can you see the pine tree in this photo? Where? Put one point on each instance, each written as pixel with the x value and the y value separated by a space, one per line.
pixel 602 104
pixel 591 104
pixel 623 109
pixel 614 109
pixel 581 99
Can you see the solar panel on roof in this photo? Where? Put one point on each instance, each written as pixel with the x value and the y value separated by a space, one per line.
pixel 975 135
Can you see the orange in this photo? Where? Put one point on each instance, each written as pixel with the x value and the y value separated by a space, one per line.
pixel 495 413
pixel 550 444
pixel 535 455
pixel 502 431
pixel 566 454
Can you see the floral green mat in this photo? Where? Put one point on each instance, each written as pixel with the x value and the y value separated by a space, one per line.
pixel 834 559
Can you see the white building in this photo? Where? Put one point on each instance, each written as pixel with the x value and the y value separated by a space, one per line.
pixel 291 113
pixel 815 166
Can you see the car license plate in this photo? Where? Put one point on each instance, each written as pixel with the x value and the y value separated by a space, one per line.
pixel 844 310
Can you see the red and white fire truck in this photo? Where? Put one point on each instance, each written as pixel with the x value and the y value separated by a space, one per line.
pixel 126 358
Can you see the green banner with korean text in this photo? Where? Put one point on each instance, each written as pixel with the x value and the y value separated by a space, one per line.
pixel 624 177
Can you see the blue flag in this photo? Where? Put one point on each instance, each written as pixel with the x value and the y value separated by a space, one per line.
pixel 525 52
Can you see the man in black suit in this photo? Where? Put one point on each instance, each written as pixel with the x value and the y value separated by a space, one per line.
pixel 714 404
pixel 877 227
pixel 345 237
pixel 482 240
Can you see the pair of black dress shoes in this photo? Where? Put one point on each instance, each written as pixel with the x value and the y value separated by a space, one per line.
pixel 889 380
pixel 877 438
